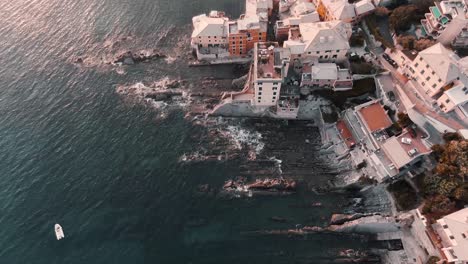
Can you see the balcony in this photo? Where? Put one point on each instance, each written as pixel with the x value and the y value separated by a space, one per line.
pixel 427 27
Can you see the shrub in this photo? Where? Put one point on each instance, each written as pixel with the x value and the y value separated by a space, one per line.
pixel 449 136
pixel 432 260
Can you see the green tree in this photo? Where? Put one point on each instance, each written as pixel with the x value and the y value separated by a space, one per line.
pixel 433 260
pixel 461 194
pixel 403 119
pixel 450 136
pixel 402 17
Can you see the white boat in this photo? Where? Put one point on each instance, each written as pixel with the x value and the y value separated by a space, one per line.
pixel 59 232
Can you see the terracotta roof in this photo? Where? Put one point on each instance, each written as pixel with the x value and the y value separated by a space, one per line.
pixel 345 133
pixel 375 117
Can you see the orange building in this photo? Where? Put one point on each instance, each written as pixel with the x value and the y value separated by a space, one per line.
pixel 243 34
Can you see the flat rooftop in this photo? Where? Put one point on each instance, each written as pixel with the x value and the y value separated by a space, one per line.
pixel 267 57
pixel 375 117
pixel 345 133
pixel 398 148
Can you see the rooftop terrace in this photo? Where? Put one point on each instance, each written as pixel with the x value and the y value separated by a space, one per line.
pixel 268 56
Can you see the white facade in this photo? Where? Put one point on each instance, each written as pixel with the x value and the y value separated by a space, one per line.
pixel 209 30
pixel 271 64
pixel 327 41
pixel 455 96
pixel 453 230
pixel 446 21
pixel 434 68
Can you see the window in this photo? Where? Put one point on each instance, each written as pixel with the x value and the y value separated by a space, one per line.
pixel 463 235
pixel 416 65
pixel 447 101
pixel 433 72
pixel 427 66
pixel 451 237
pixel 274 97
pixel 334 56
pixel 275 88
pixel 299 55
pixel 318 52
pixel 260 83
pixel 275 83
pixel 199 37
pixel 321 57
pixel 420 58
pixel 326 56
pixel 309 52
pixel 259 101
pixel 422 72
pixel 274 93
pixel 209 36
pixel 292 110
pixel 214 36
pixel 423 83
pixel 440 80
pixel 259 98
pixel 240 42
pixel 428 78
pixel 259 88
pixel 272 101
pixel 434 85
pixel 259 93
pixel 337 50
pixel 240 52
pixel 233 43
pixel 445 226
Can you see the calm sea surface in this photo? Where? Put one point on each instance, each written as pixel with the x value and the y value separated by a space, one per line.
pixel 73 152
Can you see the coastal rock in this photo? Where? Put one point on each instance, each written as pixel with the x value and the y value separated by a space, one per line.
pixel 339 219
pixel 371 224
pixel 130 58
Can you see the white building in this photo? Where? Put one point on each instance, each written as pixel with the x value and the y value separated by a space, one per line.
pixel 343 10
pixel 299 12
pixel 328 75
pixel 453 231
pixel 447 22
pixel 455 97
pixel 270 67
pixel 434 68
pixel 209 36
pixel 327 41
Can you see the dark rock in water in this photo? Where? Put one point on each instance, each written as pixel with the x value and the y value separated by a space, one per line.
pixel 163 95
pixel 158 96
pixel 130 58
pixel 270 185
pixel 79 60
pixel 204 188
pixel 278 219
